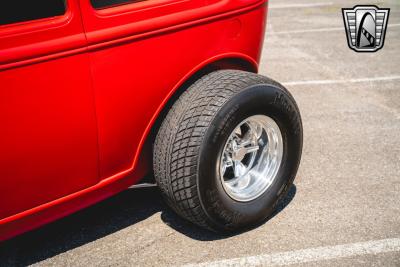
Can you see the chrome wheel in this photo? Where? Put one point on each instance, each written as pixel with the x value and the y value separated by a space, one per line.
pixel 251 158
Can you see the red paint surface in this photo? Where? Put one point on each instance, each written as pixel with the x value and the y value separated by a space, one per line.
pixel 80 93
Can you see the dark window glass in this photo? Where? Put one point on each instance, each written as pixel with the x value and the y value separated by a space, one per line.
pixel 12 11
pixel 109 3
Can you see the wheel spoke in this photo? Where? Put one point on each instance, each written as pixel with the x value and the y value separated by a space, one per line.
pixel 256 130
pixel 238 168
pixel 251 149
pixel 238 131
pixel 246 140
pixel 228 163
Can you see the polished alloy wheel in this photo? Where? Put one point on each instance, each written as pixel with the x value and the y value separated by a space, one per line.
pixel 251 158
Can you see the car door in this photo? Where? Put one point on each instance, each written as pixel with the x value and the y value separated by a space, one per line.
pixel 48 135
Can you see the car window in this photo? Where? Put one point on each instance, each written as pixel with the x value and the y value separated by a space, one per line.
pixel 13 11
pixel 98 4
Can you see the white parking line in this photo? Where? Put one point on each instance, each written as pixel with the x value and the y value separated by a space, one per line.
pixel 319 30
pixel 360 80
pixel 311 254
pixel 300 5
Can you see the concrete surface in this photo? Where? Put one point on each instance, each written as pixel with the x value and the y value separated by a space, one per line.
pixel 347 190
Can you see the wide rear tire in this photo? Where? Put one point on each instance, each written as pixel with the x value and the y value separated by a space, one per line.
pixel 204 136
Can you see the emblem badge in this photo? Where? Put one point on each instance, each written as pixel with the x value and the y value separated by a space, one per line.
pixel 365 27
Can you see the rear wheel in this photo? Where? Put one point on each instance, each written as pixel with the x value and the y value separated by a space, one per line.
pixel 228 150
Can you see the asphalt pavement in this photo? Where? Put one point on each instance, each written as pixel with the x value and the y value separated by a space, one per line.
pixel 344 209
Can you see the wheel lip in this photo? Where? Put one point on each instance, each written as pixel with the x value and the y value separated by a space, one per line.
pixel 269 124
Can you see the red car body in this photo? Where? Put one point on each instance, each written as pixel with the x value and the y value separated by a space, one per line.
pixel 80 94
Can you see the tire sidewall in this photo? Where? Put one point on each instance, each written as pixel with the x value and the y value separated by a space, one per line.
pixel 223 211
